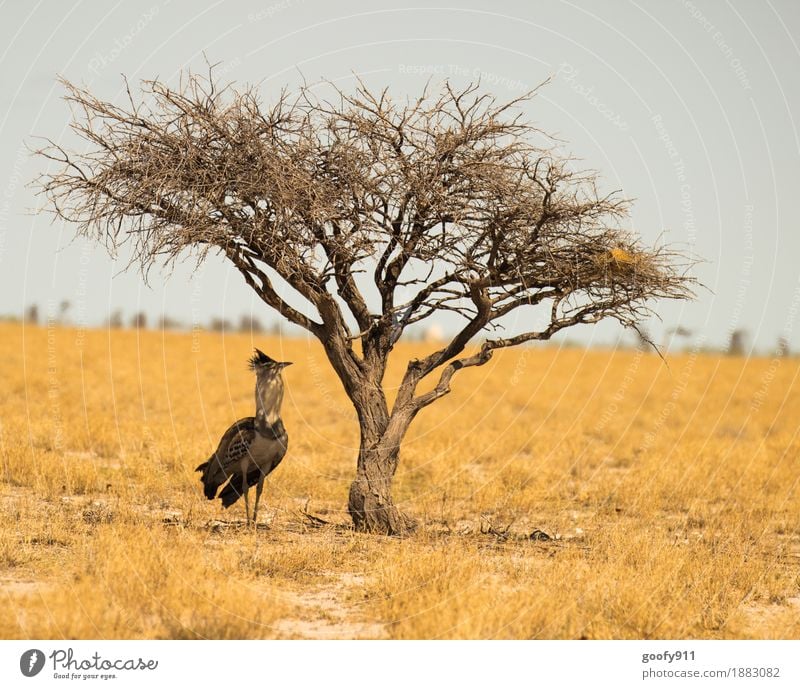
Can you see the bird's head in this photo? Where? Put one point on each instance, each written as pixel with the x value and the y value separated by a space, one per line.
pixel 264 365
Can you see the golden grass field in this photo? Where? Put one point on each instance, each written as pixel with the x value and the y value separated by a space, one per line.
pixel 671 494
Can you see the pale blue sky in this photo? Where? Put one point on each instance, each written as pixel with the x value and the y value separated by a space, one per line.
pixel 685 106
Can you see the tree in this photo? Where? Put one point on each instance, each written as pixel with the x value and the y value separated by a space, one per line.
pixel 115 319
pixel 220 325
pixel 63 307
pixel 248 323
pixel 139 321
pixel 32 314
pixel 737 342
pixel 168 323
pixel 356 216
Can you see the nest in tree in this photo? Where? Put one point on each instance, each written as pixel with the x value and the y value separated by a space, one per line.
pixel 622 257
pixel 621 262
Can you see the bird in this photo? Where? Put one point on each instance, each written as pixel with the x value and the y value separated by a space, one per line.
pixel 253 446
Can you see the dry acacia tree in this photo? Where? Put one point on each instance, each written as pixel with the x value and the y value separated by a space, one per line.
pixel 355 216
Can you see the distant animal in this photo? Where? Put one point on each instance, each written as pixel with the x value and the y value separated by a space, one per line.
pixel 252 447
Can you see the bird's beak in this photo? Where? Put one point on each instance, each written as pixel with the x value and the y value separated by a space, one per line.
pixel 284 364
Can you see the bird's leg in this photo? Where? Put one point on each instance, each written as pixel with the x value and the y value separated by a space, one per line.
pixel 259 488
pixel 245 489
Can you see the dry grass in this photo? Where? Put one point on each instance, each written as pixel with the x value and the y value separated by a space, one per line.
pixel 672 497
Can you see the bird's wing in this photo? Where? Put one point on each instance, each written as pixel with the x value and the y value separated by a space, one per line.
pixel 234 443
pixel 232 448
pixel 282 438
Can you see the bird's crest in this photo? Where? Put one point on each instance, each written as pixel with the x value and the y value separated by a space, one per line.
pixel 260 359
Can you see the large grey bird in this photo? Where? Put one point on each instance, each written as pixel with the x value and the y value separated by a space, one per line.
pixel 252 447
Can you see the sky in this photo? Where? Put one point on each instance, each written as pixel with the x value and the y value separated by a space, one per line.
pixel 685 106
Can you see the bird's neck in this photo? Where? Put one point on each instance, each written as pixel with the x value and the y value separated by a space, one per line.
pixel 269 396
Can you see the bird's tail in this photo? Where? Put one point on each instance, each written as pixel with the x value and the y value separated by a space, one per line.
pixel 233 490
pixel 209 485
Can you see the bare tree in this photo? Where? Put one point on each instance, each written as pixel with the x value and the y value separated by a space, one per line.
pixel 32 314
pixel 671 334
pixel 168 323
pixel 63 308
pixel 248 323
pixel 355 216
pixel 115 319
pixel 737 343
pixel 220 325
pixel 139 321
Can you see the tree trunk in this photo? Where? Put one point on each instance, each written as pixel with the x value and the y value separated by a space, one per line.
pixel 371 505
